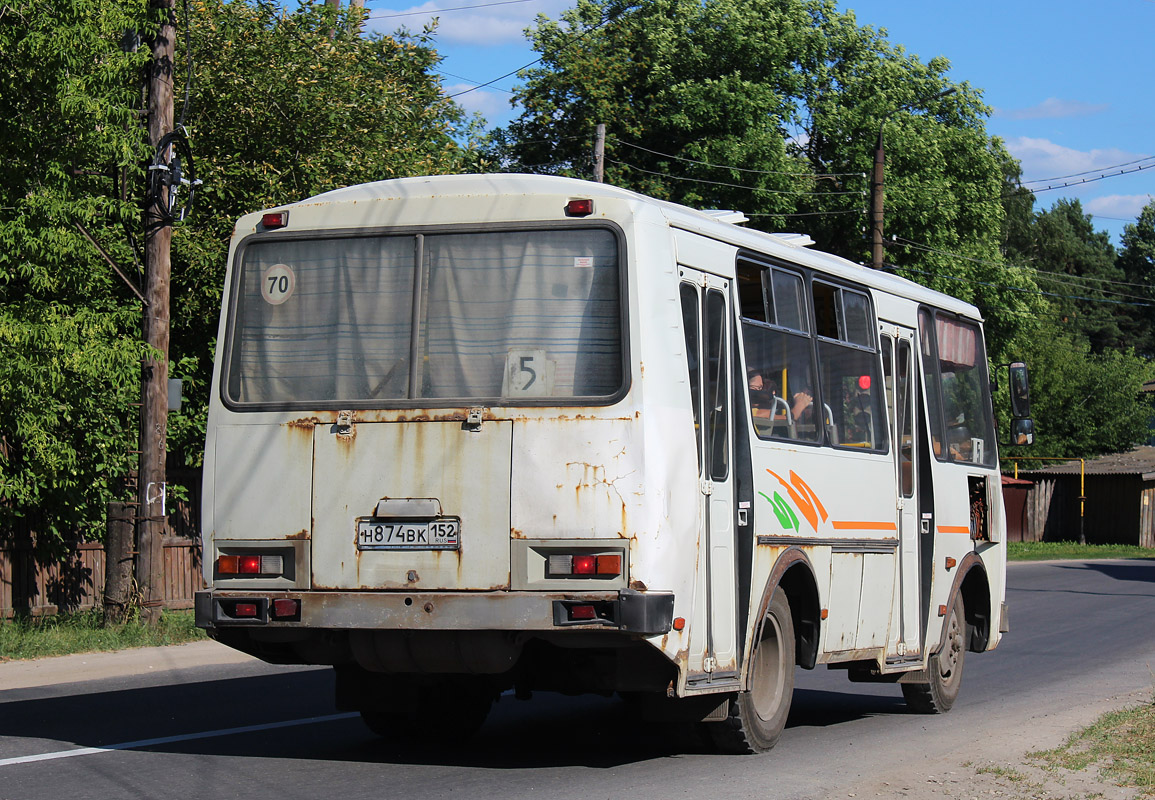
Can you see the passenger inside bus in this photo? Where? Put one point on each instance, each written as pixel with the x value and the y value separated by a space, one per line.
pixel 766 403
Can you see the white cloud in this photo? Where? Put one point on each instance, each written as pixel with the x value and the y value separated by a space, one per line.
pixel 492 25
pixel 1042 158
pixel 488 104
pixel 1119 206
pixel 1053 108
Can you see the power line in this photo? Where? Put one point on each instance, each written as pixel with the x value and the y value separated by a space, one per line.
pixel 1036 270
pixel 1087 172
pixel 738 169
pixel 609 18
pixel 1139 168
pixel 435 11
pixel 732 185
pixel 960 279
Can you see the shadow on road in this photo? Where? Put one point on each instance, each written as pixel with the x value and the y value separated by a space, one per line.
pixel 548 731
pixel 1135 569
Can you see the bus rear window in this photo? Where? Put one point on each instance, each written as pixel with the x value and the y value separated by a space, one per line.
pixel 506 317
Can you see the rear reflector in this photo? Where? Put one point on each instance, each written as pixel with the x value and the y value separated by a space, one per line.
pixel 582 612
pixel 286 609
pixel 245 610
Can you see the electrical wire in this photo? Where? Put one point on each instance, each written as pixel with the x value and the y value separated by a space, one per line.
pixel 609 18
pixel 960 279
pixel 1087 172
pixel 736 169
pixel 435 11
pixel 1049 275
pixel 732 185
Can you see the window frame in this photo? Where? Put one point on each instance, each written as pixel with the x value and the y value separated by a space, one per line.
pixel 933 372
pixel 231 310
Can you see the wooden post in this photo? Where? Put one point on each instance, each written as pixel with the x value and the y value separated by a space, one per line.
pixel 877 198
pixel 154 373
pixel 118 562
pixel 600 154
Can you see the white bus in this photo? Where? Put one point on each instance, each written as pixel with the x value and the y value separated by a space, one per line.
pixel 480 433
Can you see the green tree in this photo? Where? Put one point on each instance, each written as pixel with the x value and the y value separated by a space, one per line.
pixel 69 327
pixel 1137 263
pixel 1085 404
pixel 1075 264
pixel 285 106
pixel 774 107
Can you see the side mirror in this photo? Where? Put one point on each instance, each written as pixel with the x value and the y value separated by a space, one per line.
pixel 1020 391
pixel 1022 431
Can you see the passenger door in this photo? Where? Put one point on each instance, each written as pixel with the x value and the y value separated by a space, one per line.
pixel 707 320
pixel 898 349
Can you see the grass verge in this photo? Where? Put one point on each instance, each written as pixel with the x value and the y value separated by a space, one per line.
pixel 1121 745
pixel 1046 551
pixel 81 632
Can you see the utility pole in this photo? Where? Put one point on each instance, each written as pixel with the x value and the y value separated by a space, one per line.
pixel 600 154
pixel 877 182
pixel 152 485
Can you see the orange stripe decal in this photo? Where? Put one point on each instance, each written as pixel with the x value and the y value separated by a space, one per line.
pixel 953 529
pixel 849 525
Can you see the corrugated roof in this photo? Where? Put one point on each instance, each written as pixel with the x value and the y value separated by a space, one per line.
pixel 1140 461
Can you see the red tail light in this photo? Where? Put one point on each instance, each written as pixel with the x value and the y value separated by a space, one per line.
pixel 604 565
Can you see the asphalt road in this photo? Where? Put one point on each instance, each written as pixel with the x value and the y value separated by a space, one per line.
pixel 1082 638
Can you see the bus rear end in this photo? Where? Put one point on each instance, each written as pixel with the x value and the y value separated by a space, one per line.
pixel 419 464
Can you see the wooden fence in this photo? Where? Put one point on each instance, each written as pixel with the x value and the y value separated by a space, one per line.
pixel 32 583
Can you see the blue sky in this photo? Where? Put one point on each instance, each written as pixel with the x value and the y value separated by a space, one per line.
pixel 1070 82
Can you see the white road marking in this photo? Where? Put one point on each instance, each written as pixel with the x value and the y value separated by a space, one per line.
pixel 86 751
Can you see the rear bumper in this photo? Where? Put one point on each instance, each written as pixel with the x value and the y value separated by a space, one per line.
pixel 626 610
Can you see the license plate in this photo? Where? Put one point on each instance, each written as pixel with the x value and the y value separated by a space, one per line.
pixel 379 534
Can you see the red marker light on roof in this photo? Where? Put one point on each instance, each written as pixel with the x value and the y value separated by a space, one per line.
pixel 579 208
pixel 275 219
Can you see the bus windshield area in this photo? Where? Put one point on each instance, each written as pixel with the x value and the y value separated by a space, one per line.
pixel 504 317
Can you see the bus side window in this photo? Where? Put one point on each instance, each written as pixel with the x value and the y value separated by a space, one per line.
pixel 852 393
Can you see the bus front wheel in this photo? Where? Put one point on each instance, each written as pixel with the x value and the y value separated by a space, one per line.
pixel 944 669
pixel 757 716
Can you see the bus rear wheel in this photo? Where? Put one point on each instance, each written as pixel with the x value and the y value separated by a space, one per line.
pixel 757 716
pixel 944 669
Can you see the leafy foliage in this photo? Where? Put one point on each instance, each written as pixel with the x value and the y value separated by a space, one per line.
pixel 774 107
pixel 1085 404
pixel 1137 262
pixel 68 325
pixel 285 106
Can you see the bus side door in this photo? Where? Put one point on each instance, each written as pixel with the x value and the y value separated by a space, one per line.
pixel 707 321
pixel 899 365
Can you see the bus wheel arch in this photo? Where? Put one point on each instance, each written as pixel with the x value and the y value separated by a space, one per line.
pixel 975 589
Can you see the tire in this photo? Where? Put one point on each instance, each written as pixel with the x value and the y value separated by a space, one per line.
pixel 944 669
pixel 757 716
pixel 457 707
